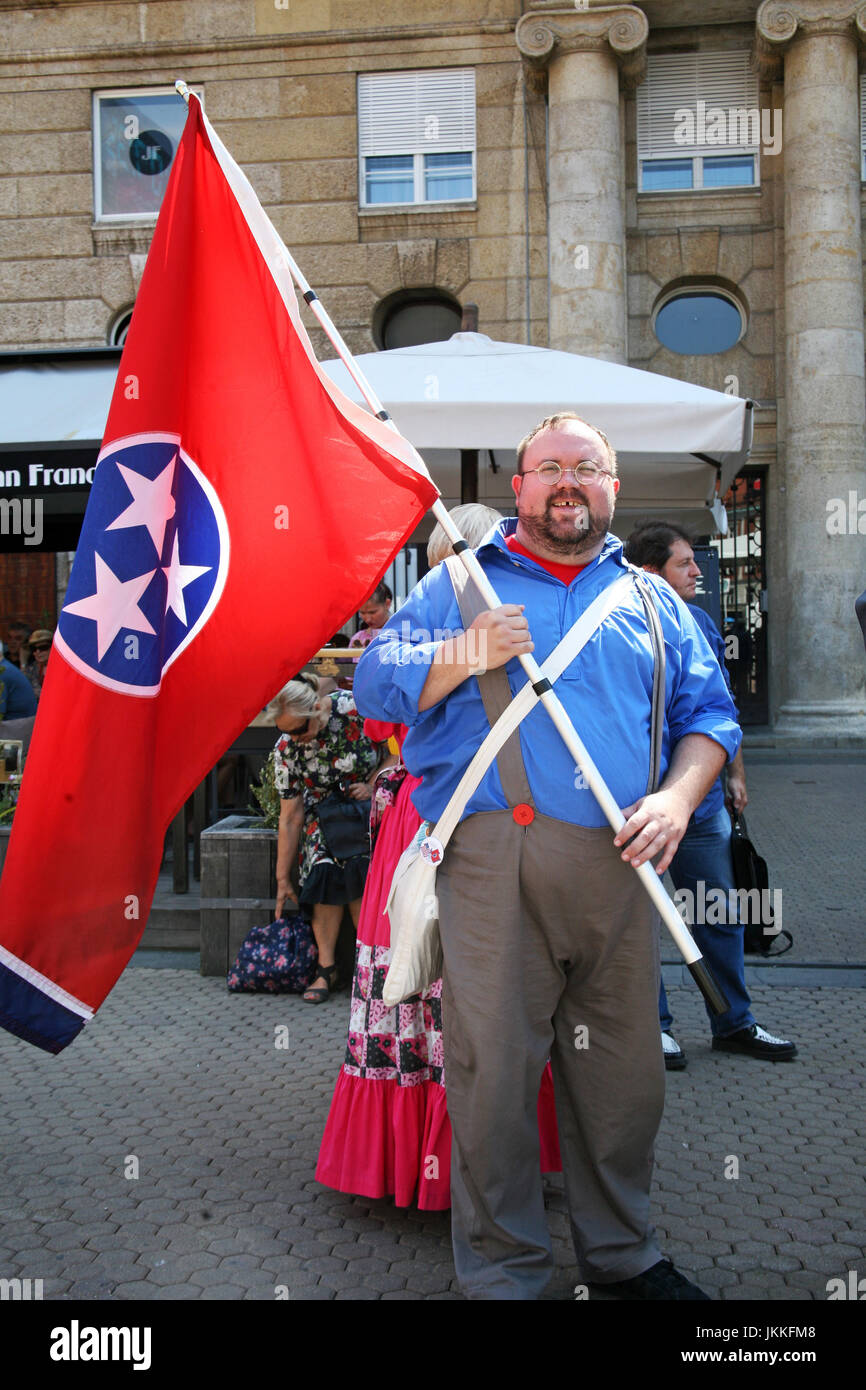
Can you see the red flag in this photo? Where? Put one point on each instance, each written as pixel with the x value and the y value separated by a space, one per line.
pixel 241 510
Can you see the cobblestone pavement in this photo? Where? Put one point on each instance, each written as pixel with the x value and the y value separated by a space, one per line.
pixel 759 1182
pixel 807 820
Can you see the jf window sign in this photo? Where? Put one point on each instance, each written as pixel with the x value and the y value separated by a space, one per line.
pixel 135 136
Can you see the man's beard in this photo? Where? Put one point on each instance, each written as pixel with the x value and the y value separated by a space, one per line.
pixel 542 531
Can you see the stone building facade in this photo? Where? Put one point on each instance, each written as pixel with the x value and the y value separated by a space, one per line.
pixel 559 244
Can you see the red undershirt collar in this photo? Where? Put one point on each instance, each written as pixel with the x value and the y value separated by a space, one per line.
pixel 564 573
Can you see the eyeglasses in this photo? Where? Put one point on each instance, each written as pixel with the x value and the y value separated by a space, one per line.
pixel 550 473
pixel 299 733
pixel 45 648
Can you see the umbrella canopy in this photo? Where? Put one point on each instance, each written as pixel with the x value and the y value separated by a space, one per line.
pixel 676 442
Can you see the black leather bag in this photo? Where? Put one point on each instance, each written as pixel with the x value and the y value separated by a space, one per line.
pixel 750 872
pixel 345 825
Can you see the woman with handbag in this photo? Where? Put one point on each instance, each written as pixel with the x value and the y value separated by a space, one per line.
pixel 388 1132
pixel 323 770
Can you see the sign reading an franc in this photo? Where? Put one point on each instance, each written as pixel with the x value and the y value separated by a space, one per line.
pixel 43 477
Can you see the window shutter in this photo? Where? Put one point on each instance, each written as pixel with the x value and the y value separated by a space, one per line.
pixel 677 82
pixel 416 112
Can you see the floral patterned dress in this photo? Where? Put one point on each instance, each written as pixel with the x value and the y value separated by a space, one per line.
pixel 339 755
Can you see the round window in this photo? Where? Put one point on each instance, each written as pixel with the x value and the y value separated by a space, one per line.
pixel 696 323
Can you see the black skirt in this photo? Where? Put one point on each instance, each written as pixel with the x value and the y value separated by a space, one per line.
pixel 330 882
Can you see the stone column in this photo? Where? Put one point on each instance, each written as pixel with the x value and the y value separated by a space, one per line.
pixel 825 406
pixel 583 51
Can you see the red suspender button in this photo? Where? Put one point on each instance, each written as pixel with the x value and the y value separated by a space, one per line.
pixel 523 814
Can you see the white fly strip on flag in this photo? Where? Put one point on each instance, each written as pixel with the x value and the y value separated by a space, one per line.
pixel 282 267
pixel 41 982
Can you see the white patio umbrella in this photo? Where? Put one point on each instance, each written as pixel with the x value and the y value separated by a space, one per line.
pixel 679 446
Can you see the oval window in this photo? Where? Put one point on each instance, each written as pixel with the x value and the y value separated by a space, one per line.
pixel 698 322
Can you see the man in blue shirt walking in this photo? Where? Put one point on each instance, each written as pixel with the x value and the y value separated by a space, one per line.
pixel 549 940
pixel 704 854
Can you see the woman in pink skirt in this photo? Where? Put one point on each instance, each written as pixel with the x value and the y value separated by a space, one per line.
pixel 388 1132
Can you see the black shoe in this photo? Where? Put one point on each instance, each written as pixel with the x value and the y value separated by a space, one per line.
pixel 675 1058
pixel 757 1042
pixel 660 1281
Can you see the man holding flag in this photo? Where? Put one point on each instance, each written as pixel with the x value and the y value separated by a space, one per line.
pixel 550 943
pixel 230 462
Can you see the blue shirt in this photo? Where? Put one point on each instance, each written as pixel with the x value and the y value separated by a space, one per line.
pixel 607 690
pixel 714 800
pixel 17 699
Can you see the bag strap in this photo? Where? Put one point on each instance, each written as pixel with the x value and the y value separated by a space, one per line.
pixel 526 699
pixel 657 715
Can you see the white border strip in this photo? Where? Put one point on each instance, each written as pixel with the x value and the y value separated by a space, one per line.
pixel 41 982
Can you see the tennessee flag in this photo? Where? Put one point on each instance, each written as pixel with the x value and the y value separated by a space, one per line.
pixel 242 508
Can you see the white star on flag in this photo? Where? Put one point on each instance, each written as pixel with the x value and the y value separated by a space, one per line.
pixel 178 577
pixel 152 504
pixel 113 606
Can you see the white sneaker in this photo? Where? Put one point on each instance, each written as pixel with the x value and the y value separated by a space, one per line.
pixel 675 1058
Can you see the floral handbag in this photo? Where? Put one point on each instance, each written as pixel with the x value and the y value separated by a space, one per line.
pixel 278 959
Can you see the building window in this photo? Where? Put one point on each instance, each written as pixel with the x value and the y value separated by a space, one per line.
pixel 416 137
pixel 119 328
pixel 412 317
pixel 698 123
pixel 135 136
pixel 699 321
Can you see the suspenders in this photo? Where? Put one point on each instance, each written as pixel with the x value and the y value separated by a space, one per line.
pixel 496 691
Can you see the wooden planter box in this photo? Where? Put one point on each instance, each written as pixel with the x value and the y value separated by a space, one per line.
pixel 238 887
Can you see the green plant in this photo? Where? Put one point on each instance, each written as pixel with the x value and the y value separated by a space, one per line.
pixel 267 796
pixel 8 798
pixel 9 794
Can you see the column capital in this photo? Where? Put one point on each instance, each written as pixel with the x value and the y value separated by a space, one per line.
pixel 780 21
pixel 546 31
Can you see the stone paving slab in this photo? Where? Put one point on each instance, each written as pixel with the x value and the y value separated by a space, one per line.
pixel 806 817
pixel 181 1082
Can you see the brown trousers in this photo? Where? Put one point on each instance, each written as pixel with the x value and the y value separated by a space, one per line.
pixel 551 949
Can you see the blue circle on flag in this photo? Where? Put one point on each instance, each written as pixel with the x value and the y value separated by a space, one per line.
pixel 150 565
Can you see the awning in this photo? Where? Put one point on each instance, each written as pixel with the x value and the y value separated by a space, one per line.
pixel 55 399
pixel 677 443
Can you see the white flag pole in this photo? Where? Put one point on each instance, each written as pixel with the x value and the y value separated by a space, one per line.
pixel 551 702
